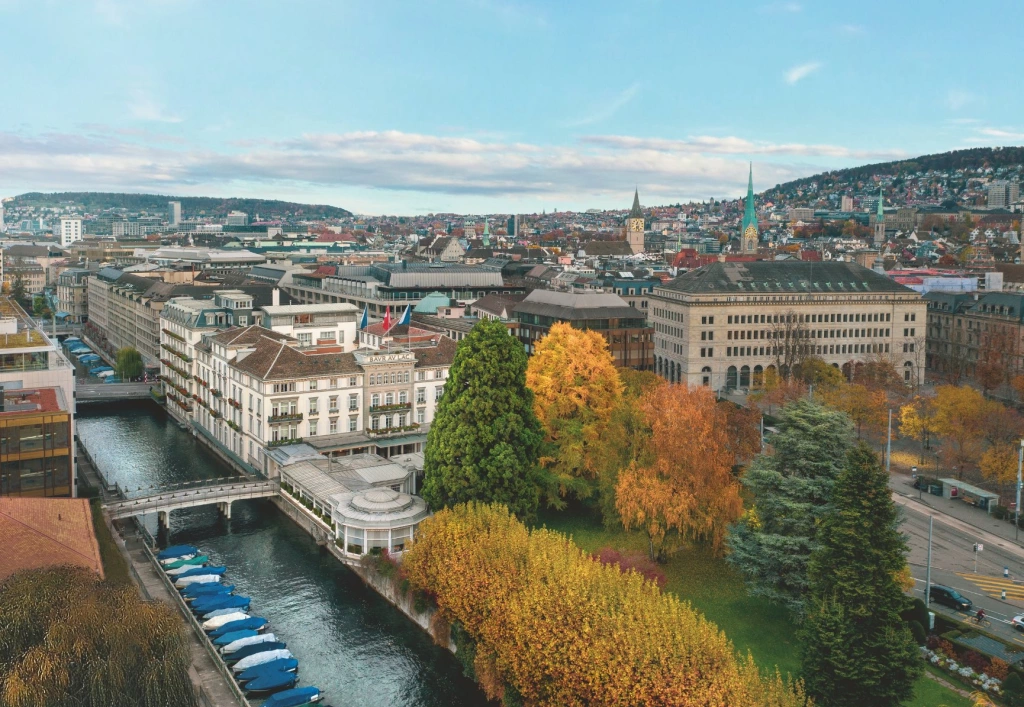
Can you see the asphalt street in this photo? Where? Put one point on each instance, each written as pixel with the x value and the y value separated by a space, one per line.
pixel 953 564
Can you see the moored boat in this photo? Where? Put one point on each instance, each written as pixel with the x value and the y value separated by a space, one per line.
pixel 286 664
pixel 187 561
pixel 295 697
pixel 222 612
pixel 194 591
pixel 255 649
pixel 271 682
pixel 251 661
pixel 226 618
pixel 239 644
pixel 182 582
pixel 189 570
pixel 169 560
pixel 226 638
pixel 177 551
pixel 205 605
pixel 253 623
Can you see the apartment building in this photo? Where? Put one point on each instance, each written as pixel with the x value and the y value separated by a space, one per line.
pixel 37 406
pixel 70 231
pixel 965 329
pixel 724 325
pixel 254 389
pixel 71 294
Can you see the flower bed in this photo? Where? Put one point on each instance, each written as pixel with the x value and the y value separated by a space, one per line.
pixel 969 667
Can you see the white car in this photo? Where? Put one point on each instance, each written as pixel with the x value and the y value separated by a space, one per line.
pixel 1018 623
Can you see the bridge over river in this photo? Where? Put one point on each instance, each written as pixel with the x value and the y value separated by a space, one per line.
pixel 112 392
pixel 165 499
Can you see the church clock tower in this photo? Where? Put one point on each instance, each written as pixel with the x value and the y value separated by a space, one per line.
pixel 749 234
pixel 635 226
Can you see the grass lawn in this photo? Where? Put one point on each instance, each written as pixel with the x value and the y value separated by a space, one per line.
pixel 717 591
pixel 707 582
pixel 115 569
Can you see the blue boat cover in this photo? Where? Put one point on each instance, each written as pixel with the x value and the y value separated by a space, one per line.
pixel 226 638
pixel 253 649
pixel 204 605
pixel 293 698
pixel 253 623
pixel 199 589
pixel 176 551
pixel 275 680
pixel 272 666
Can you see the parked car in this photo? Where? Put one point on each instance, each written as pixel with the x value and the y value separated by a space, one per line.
pixel 1018 623
pixel 947 596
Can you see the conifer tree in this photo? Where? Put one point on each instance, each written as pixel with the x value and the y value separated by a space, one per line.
pixel 483 444
pixel 857 648
pixel 792 486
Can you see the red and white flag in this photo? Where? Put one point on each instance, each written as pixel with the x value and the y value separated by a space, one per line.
pixel 387 319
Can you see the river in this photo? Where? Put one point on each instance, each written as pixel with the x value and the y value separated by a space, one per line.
pixel 349 641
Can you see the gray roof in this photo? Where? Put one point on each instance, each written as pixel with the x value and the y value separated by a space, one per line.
pixel 570 306
pixel 783 277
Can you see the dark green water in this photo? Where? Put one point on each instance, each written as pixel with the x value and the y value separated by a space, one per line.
pixel 348 640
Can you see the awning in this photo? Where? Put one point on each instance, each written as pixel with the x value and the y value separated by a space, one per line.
pixel 62 315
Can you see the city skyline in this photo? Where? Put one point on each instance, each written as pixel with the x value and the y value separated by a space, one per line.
pixel 485 105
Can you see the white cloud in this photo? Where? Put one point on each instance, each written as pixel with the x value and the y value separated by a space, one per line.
pixel 801 71
pixel 404 168
pixel 852 29
pixel 776 7
pixel 957 99
pixel 1002 134
pixel 608 109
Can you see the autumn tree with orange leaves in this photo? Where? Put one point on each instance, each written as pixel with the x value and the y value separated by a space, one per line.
pixel 682 487
pixel 575 388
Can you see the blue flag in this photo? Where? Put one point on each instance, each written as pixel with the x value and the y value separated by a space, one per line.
pixel 364 321
pixel 406 316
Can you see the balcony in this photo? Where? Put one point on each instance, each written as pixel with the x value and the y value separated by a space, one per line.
pixel 393 407
pixel 285 417
pixel 385 431
pixel 279 442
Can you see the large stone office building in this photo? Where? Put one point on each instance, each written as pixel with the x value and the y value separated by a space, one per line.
pixel 724 325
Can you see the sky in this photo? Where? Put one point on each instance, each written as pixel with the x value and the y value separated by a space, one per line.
pixel 490 106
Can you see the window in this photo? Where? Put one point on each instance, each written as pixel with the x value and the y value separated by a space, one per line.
pixel 313 384
pixel 387 421
pixel 333 427
pixel 421 416
pixel 374 400
pixel 421 375
pixel 305 338
pixel 403 397
pixel 375 423
pixel 314 404
pixel 438 392
pixel 421 395
pixel 353 424
pixel 352 381
pixel 389 399
pixel 327 336
pixel 312 428
pixel 284 387
pixel 353 401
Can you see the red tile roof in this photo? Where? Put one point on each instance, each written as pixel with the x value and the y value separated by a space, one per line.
pixel 45 532
pixel 22 401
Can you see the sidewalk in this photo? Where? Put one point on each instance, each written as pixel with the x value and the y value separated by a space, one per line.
pixel 957 514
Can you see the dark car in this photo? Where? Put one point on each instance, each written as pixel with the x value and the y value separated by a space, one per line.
pixel 950 597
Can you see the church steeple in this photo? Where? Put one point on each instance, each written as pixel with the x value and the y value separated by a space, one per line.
pixel 636 212
pixel 749 234
pixel 486 234
pixel 880 220
pixel 880 216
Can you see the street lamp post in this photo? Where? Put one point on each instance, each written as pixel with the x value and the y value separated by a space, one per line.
pixel 913 471
pixel 928 571
pixel 1016 508
pixel 888 444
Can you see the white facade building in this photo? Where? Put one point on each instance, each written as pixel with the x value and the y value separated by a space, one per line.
pixel 70 231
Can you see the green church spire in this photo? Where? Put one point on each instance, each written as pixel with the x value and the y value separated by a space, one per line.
pixel 880 215
pixel 749 214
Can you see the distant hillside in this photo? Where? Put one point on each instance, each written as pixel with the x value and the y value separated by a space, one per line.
pixel 191 206
pixel 973 161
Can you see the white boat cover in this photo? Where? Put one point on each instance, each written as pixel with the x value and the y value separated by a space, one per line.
pixel 218 621
pixel 247 641
pixel 197 578
pixel 260 658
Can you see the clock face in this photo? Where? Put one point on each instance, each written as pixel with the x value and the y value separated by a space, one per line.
pixel 636 224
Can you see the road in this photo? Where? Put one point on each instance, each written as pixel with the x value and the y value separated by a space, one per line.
pixel 113 391
pixel 953 564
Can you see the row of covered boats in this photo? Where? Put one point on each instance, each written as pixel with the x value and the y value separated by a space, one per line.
pixel 261 664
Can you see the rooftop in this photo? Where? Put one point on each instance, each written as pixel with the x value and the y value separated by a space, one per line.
pixel 784 277
pixel 44 532
pixel 570 306
pixel 23 400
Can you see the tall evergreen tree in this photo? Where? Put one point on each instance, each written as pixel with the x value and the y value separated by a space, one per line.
pixel 857 648
pixel 485 439
pixel 792 487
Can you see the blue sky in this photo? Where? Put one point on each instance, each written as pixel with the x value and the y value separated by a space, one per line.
pixel 490 105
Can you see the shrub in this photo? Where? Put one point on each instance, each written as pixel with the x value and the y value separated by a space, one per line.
pixel 564 629
pixel 975 660
pixel 918 632
pixel 1013 690
pixel 933 642
pixel 998 669
pixel 917 611
pixel 947 648
pixel 1001 512
pixel 635 561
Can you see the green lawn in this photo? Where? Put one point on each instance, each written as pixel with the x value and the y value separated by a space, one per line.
pixel 716 590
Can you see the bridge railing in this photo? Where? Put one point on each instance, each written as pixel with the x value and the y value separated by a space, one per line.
pixel 198 494
pixel 154 490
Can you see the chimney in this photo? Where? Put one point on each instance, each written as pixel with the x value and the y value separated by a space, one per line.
pixel 275 297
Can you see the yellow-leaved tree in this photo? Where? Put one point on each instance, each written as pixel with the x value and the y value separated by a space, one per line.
pixel 550 626
pixel 682 486
pixel 917 421
pixel 576 388
pixel 866 408
pixel 959 414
